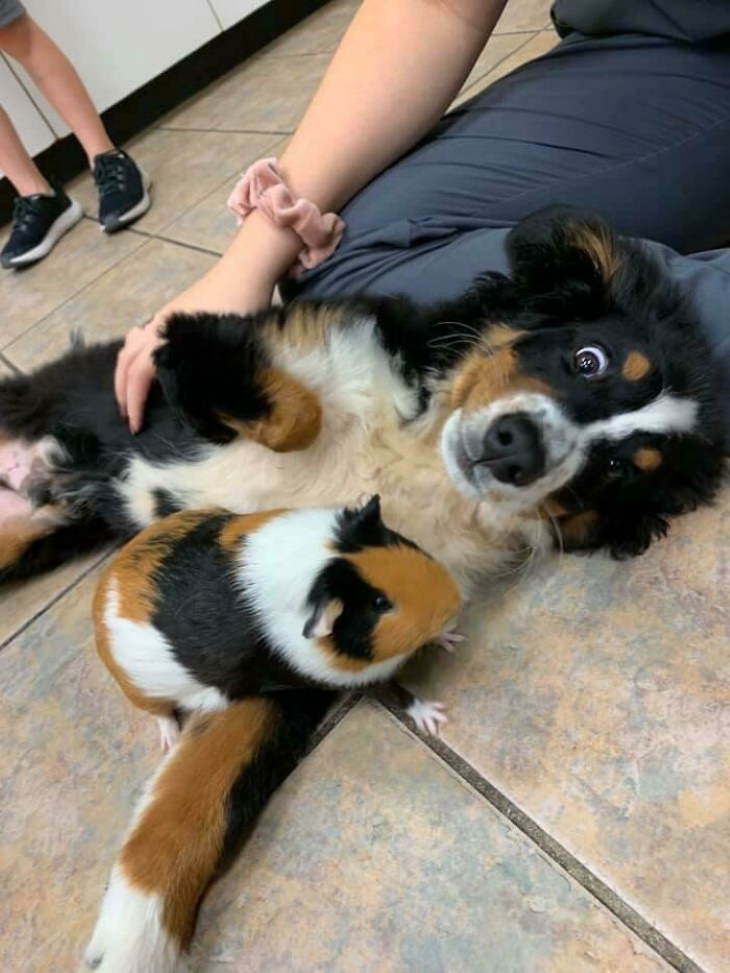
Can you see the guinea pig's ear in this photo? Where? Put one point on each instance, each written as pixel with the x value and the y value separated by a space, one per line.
pixel 564 260
pixel 322 620
pixel 370 513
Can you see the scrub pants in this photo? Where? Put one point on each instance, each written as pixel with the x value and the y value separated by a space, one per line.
pixel 633 126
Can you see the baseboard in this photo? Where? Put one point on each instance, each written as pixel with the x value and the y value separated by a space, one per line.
pixel 65 158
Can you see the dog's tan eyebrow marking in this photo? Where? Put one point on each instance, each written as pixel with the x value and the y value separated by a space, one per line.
pixel 599 245
pixel 647 459
pixel 636 366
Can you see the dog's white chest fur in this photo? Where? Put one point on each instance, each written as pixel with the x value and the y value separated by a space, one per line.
pixel 367 445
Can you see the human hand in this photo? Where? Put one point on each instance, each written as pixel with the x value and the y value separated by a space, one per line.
pixel 135 368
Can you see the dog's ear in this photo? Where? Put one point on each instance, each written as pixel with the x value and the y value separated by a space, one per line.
pixel 563 258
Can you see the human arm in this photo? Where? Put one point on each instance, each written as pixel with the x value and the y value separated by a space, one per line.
pixel 397 69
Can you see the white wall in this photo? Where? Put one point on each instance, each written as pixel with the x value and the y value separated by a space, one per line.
pixel 116 46
pixel 229 12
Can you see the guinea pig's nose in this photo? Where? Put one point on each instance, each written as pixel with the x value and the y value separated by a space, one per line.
pixel 512 450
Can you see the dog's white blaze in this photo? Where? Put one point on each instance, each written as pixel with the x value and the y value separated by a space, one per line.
pixel 666 414
pixel 277 567
pixel 567 443
pixel 129 936
pixel 147 658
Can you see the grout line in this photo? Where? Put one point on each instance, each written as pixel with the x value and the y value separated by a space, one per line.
pixel 73 296
pixel 228 131
pixel 275 140
pixel 333 718
pixel 178 243
pixel 526 30
pixel 57 597
pixel 11 365
pixel 611 900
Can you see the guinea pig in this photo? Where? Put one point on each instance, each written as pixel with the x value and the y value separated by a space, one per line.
pixel 205 607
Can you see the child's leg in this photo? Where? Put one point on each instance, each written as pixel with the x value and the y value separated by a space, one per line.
pixel 15 162
pixel 54 74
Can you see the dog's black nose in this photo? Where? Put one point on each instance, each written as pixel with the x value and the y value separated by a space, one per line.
pixel 513 450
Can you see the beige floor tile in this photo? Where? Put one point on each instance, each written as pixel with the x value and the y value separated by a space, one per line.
pixel 81 256
pixel 372 856
pixel 122 298
pixel 75 755
pixel 266 94
pixel 596 694
pixel 524 15
pixel 320 33
pixel 375 857
pixel 209 224
pixel 184 167
pixel 539 44
pixel 19 603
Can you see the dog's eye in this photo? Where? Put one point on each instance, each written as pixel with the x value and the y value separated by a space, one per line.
pixel 382 604
pixel 591 361
pixel 615 468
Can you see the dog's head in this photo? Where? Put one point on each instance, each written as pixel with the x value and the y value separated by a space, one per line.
pixel 593 397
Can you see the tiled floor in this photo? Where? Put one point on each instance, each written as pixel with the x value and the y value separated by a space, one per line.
pixel 576 814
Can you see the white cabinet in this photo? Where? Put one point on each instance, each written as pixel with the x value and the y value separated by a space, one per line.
pixel 117 47
pixel 229 12
pixel 32 128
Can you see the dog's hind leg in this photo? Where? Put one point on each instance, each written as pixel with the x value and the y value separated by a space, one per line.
pixel 36 539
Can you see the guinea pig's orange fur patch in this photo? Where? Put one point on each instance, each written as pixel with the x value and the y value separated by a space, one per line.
pixel 423 591
pixel 133 567
pixel 238 527
pixel 295 419
pixel 131 573
pixel 635 367
pixel 491 371
pixel 177 841
pixel 647 459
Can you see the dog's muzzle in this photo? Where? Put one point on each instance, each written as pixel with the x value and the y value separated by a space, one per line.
pixel 508 446
pixel 512 450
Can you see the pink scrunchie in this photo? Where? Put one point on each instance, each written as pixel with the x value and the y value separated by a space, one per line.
pixel 261 187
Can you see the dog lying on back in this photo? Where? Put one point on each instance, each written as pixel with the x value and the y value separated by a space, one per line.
pixel 576 399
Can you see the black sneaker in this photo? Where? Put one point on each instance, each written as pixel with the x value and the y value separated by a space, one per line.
pixel 39 222
pixel 123 190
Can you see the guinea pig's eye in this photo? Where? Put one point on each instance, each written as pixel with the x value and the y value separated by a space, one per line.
pixel 382 604
pixel 615 468
pixel 591 361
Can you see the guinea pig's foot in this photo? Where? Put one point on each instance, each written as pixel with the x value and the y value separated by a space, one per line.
pixel 169 732
pixel 428 715
pixel 449 640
